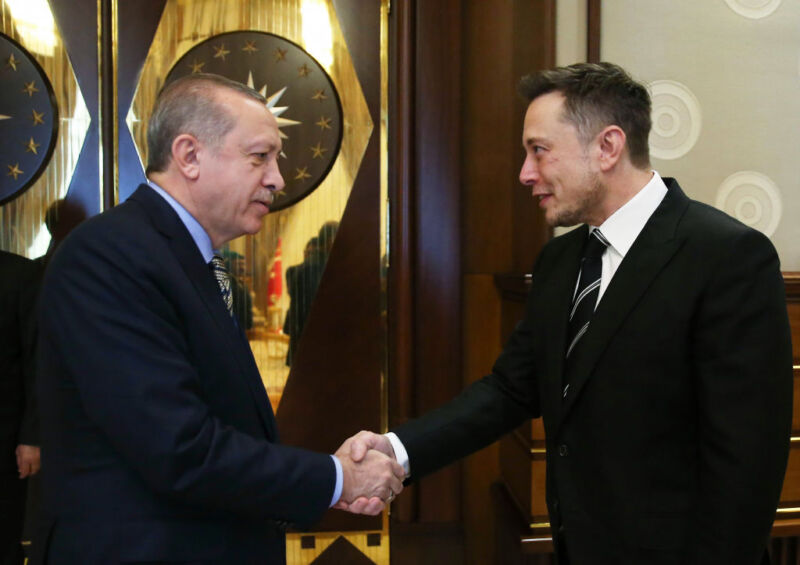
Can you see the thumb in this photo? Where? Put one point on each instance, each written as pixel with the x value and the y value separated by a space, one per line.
pixel 362 442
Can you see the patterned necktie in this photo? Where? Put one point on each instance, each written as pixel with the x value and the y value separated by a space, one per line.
pixel 217 266
pixel 585 300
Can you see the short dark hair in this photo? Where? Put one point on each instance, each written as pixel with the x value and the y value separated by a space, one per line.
pixel 597 95
pixel 189 105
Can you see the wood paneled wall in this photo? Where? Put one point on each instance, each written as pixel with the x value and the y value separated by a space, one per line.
pixel 459 216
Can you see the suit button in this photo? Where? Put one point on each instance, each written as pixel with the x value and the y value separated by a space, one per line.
pixel 563 450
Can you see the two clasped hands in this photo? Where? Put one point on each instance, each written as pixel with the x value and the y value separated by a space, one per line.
pixel 372 477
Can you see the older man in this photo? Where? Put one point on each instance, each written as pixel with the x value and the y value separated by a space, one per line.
pixel 655 345
pixel 159 443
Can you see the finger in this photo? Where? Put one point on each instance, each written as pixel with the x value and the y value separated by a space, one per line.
pixel 394 485
pixel 358 505
pixel 363 441
pixel 341 505
pixel 398 470
pixel 374 506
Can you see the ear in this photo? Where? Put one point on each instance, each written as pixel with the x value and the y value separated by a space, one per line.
pixel 611 147
pixel 185 150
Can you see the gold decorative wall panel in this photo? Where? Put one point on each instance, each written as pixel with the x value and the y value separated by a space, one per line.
pixel 287 234
pixel 303 232
pixel 31 24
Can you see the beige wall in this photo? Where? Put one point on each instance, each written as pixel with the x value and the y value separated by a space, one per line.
pixel 725 79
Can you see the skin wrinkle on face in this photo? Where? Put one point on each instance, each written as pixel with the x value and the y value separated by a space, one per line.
pixel 236 180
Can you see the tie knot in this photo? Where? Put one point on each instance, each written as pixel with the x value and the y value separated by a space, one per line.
pixel 596 245
pixel 217 263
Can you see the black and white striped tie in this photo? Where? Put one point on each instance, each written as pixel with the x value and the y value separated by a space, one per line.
pixel 217 266
pixel 585 300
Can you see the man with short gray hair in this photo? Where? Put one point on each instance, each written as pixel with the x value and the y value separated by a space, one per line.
pixel 159 440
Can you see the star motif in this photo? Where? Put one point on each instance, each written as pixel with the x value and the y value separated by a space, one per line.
pixel 303 71
pixel 12 62
pixel 220 51
pixel 37 117
pixel 280 54
pixel 323 123
pixel 30 88
pixel 250 47
pixel 32 146
pixel 319 95
pixel 279 193
pixel 318 150
pixel 197 66
pixel 14 171
pixel 276 110
pixel 302 174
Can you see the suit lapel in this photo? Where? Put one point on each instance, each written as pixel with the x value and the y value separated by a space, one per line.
pixel 651 251
pixel 189 257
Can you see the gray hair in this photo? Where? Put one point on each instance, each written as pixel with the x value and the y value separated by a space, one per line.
pixel 189 105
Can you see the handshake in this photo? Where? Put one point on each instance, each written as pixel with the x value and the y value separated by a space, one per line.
pixel 372 477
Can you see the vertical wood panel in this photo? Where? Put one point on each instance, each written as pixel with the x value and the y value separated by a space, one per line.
pixel 438 260
pixel 593 26
pixel 401 220
pixel 533 50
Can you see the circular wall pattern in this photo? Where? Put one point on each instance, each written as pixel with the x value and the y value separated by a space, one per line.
pixel 676 119
pixel 28 119
pixel 294 83
pixel 753 199
pixel 753 9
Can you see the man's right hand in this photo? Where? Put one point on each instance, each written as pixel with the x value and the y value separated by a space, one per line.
pixel 371 477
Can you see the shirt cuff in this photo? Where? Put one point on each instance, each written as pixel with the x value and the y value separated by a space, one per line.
pixel 337 492
pixel 400 452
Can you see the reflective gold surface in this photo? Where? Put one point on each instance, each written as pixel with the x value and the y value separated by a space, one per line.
pixel 281 243
pixel 313 25
pixel 31 23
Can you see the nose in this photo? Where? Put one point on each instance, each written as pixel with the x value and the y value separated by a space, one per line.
pixel 529 174
pixel 273 180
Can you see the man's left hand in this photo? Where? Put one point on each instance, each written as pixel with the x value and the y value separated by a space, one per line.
pixel 28 460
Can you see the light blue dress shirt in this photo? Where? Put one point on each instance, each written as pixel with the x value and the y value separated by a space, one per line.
pixel 203 242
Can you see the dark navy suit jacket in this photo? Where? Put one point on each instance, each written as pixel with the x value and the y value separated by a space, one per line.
pixel 159 443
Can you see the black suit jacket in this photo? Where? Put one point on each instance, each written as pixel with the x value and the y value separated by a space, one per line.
pixel 18 420
pixel 672 442
pixel 159 443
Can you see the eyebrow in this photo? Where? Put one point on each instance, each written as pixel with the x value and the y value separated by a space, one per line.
pixel 533 140
pixel 262 145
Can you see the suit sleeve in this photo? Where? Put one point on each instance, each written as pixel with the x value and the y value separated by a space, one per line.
pixel 119 336
pixel 29 426
pixel 743 371
pixel 483 412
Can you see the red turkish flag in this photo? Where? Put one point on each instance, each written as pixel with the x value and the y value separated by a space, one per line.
pixel 275 284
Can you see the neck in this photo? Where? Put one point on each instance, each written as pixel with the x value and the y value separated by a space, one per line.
pixel 622 184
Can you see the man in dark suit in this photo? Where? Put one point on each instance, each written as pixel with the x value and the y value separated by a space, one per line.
pixel 19 441
pixel 668 416
pixel 159 442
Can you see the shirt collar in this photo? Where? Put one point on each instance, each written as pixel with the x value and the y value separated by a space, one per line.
pixel 623 226
pixel 199 235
